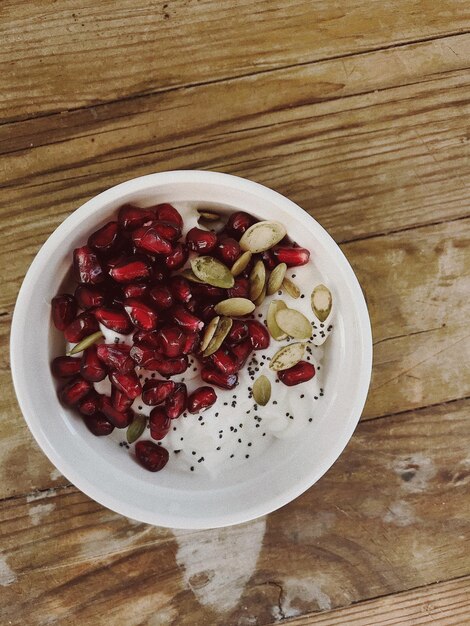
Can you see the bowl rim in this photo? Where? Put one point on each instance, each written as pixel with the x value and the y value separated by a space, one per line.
pixel 206 177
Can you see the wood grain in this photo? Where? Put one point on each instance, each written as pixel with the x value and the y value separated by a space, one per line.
pixel 140 47
pixel 389 516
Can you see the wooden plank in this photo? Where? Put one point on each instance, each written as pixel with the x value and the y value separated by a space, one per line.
pixel 392 514
pixel 133 48
pixel 446 604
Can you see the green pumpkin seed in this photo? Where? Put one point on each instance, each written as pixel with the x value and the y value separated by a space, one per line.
pixel 294 323
pixel 262 236
pixel 191 276
pixel 135 429
pixel 241 263
pixel 235 307
pixel 322 302
pixel 222 330
pixel 291 288
pixel 275 331
pixel 262 296
pixel 262 390
pixel 257 280
pixel 85 343
pixel 212 272
pixel 276 278
pixel 209 332
pixel 287 357
pixel 210 216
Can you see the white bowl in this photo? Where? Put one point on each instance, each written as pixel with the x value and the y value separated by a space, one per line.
pixel 175 499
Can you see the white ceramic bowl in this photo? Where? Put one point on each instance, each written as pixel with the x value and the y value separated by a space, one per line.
pixel 174 499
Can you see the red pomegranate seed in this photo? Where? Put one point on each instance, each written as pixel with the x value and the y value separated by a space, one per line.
pixel 64 310
pixel 227 250
pixel 208 292
pixel 214 377
pixel 114 320
pixel 150 456
pixel 135 290
pixel 65 366
pixel 128 384
pixel 106 238
pixel 240 289
pixel 242 351
pixel 259 335
pixel 170 367
pixel 201 399
pixel 168 213
pixel 146 357
pixel 238 333
pixel 98 425
pixel 160 272
pixel 82 326
pixel 200 240
pixel 159 422
pixel 162 297
pixel 177 258
pixel 113 294
pixel 269 260
pixel 141 315
pixel 89 296
pixel 224 362
pixel 192 306
pixel 299 373
pixel 92 367
pixel 292 257
pixel 157 391
pixel 120 419
pixel 238 223
pixel 74 391
pixel 146 238
pixel 186 320
pixel 167 230
pixel 119 400
pixel 90 404
pixel 207 312
pixel 191 343
pixel 127 270
pixel 131 217
pixel 116 356
pixel 175 404
pixel 86 266
pixel 172 341
pixel 148 337
pixel 180 289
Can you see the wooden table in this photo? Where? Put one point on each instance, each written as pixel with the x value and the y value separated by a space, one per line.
pixel 358 111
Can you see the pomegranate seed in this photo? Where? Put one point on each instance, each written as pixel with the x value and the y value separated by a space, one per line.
pixel 242 351
pixel 152 457
pixel 74 391
pixel 147 238
pixel 90 404
pixel 207 312
pixel 127 270
pixel 92 367
pixel 135 290
pixel 106 238
pixel 201 399
pixel 224 362
pixel 240 289
pixel 225 381
pixel 89 296
pixel 192 305
pixel 87 267
pixel 292 257
pixel 170 367
pixel 114 320
pixel 160 423
pixel 65 366
pixel 148 337
pixel 186 320
pixel 208 292
pixel 160 272
pixel 177 258
pixel 131 217
pixel 162 297
pixel 172 341
pixel 116 356
pixel 299 373
pixel 120 419
pixel 156 391
pixel 175 404
pixel 180 289
pixel 82 326
pixel 191 343
pixel 114 296
pixel 238 333
pixel 167 230
pixel 269 260
pixel 141 315
pixel 200 240
pixel 98 425
pixel 168 213
pixel 238 223
pixel 259 335
pixel 128 384
pixel 228 251
pixel 64 310
pixel 119 400
pixel 146 357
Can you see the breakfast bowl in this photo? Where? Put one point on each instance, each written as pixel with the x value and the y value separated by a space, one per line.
pixel 300 444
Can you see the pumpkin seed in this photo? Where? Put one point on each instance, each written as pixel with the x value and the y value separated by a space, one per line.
pixel 294 323
pixel 85 343
pixel 275 331
pixel 287 357
pixel 291 288
pixel 241 263
pixel 262 236
pixel 135 429
pixel 235 307
pixel 212 272
pixel 257 280
pixel 276 278
pixel 262 296
pixel 191 276
pixel 210 216
pixel 262 390
pixel 321 301
pixel 209 332
pixel 222 330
